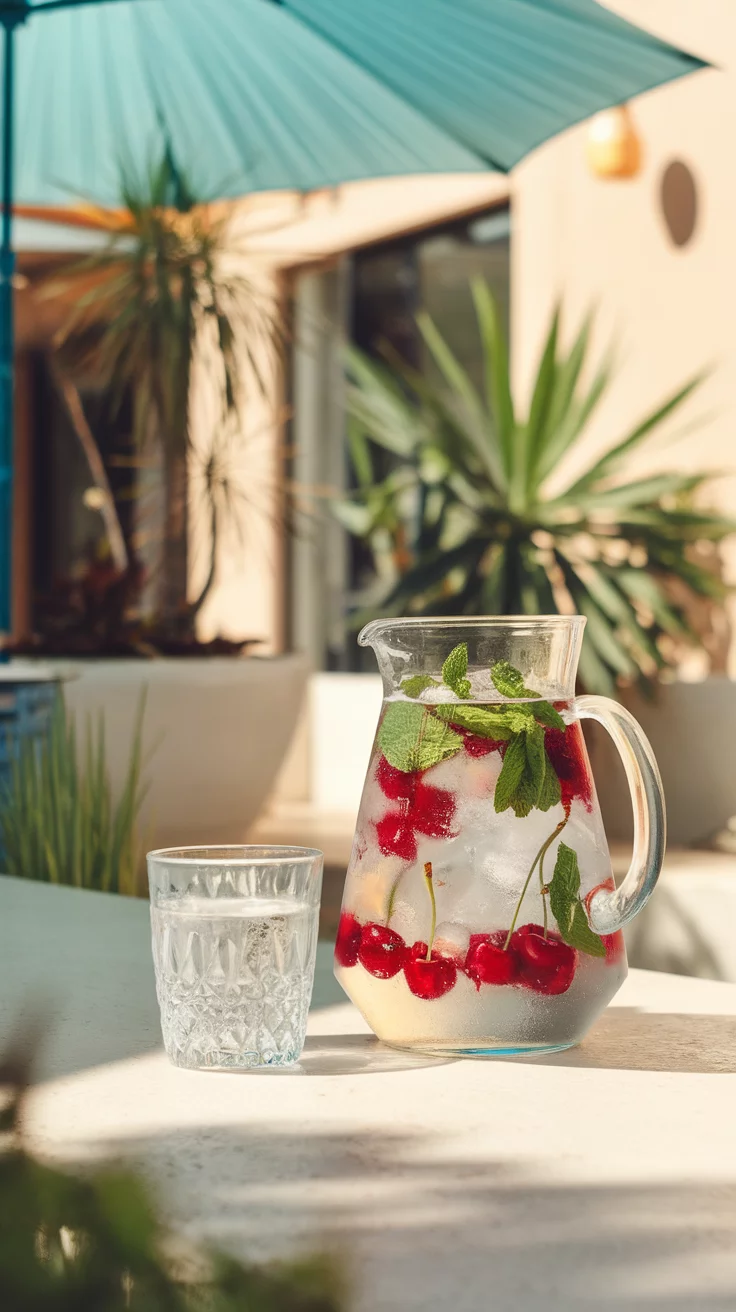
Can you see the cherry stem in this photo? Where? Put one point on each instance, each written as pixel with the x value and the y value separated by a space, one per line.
pixel 543 892
pixel 433 926
pixel 539 857
pixel 392 896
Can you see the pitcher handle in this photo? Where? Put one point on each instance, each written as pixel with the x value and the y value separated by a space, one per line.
pixel 610 911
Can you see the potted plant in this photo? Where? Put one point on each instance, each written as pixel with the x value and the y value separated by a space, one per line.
pixel 164 311
pixel 464 521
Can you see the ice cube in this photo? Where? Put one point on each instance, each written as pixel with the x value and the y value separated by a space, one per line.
pixel 452 940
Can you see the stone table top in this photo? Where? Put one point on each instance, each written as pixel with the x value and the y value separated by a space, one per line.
pixel 603 1177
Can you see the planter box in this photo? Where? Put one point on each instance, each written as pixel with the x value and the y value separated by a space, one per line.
pixel 216 732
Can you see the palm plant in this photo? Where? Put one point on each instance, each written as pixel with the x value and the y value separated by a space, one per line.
pixel 164 290
pixel 465 522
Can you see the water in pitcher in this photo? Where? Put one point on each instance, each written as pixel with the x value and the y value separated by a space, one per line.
pixel 234 978
pixel 479 836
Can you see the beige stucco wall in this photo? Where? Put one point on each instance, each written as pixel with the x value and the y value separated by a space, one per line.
pixel 671 311
pixel 271 234
pixel 245 600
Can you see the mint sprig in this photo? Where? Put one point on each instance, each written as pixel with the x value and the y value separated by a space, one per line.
pixel 510 683
pixel 455 670
pixel 480 720
pixel 524 781
pixel 567 908
pixel 416 737
pixel 412 738
pixel 416 683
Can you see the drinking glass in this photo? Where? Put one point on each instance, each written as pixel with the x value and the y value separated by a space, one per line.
pixel 234 933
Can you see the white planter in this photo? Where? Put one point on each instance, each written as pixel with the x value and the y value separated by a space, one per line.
pixel 692 728
pixel 217 731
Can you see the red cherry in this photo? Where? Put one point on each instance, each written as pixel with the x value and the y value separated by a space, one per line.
pixel 347 942
pixel 477 746
pixel 488 961
pixel 398 785
pixel 614 944
pixel 566 751
pixel 433 811
pixel 396 836
pixel 429 979
pixel 382 951
pixel 529 929
pixel 546 965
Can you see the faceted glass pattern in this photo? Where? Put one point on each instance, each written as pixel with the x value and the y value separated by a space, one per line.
pixel 234 945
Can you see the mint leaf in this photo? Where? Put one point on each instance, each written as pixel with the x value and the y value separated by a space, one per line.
pixel 566 907
pixel 476 719
pixel 512 772
pixel 509 681
pixel 519 718
pixel 455 669
pixel 529 787
pixel 412 738
pixel 581 936
pixel 536 756
pixel 550 793
pixel 547 715
pixel 416 683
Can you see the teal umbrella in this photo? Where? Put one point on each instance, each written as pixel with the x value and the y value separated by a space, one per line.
pixel 251 95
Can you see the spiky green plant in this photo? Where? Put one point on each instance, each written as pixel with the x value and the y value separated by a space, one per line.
pixel 164 289
pixel 464 521
pixel 59 821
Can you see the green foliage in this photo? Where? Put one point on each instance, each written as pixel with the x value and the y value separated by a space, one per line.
pixel 58 820
pixel 95 1244
pixel 415 685
pixel 455 669
pixel 567 908
pixel 485 721
pixel 466 523
pixel 411 738
pixel 166 292
pixel 509 682
pixel 527 779
pixel 142 303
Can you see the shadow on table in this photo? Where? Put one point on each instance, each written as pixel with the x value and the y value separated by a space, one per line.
pixel 422 1230
pixel 359 1054
pixel 623 1039
pixel 91 1014
pixel 627 1039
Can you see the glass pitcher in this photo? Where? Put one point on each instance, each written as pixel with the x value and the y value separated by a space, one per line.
pixel 480 914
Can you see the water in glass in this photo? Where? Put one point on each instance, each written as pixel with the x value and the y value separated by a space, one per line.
pixel 234 971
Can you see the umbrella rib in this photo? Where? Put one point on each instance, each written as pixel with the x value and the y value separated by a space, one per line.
pixel 62 4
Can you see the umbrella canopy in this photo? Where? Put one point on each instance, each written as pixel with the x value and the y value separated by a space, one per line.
pixel 254 95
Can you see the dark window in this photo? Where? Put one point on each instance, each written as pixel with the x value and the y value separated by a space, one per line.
pixel 69 534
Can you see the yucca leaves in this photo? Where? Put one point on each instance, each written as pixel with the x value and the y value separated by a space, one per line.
pixel 58 820
pixel 464 524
